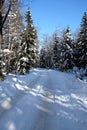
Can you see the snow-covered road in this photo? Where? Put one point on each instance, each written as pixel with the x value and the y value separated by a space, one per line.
pixel 43 100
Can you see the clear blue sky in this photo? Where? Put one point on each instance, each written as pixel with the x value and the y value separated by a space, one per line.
pixel 51 14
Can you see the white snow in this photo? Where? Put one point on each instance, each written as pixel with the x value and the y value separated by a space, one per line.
pixel 25 59
pixel 43 100
pixel 7 51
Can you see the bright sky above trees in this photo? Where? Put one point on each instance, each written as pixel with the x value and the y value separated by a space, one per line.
pixel 49 15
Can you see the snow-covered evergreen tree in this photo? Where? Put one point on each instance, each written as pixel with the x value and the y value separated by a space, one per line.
pixel 43 56
pixel 28 53
pixel 66 51
pixel 55 51
pixel 49 57
pixel 2 66
pixel 80 52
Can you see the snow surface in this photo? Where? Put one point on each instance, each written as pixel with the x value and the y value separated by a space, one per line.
pixel 43 100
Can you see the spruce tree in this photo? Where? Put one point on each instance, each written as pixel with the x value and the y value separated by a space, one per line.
pixel 28 53
pixel 49 57
pixel 80 53
pixel 66 51
pixel 55 52
pixel 43 55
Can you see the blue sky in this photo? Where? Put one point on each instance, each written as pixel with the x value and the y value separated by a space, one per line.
pixel 49 15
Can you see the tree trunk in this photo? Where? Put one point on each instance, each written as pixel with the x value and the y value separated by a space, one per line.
pixel 0 23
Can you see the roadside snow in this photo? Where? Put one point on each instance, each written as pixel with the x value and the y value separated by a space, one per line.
pixel 43 100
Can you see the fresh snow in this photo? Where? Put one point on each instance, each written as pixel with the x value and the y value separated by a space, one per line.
pixel 43 100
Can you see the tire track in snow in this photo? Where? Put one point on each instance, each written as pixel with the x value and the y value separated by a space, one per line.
pixel 46 111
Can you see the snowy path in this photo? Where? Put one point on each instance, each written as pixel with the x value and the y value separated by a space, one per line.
pixel 44 100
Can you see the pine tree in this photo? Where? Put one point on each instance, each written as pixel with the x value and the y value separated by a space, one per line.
pixel 43 57
pixel 80 52
pixel 29 51
pixel 55 52
pixel 49 57
pixel 66 51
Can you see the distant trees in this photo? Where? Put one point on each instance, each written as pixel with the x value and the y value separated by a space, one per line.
pixel 55 51
pixel 60 51
pixel 45 56
pixel 67 53
pixel 43 59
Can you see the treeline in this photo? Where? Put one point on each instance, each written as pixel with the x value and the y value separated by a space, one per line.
pixel 20 45
pixel 64 52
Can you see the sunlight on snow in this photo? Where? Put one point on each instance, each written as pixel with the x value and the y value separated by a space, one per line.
pixel 68 115
pixel 43 108
pixel 6 104
pixel 19 110
pixel 15 79
pixel 39 87
pixel 63 98
pixel 50 96
pixel 22 88
pixel 47 99
pixel 11 126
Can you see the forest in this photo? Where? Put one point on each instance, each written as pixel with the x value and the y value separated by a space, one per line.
pixel 19 44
